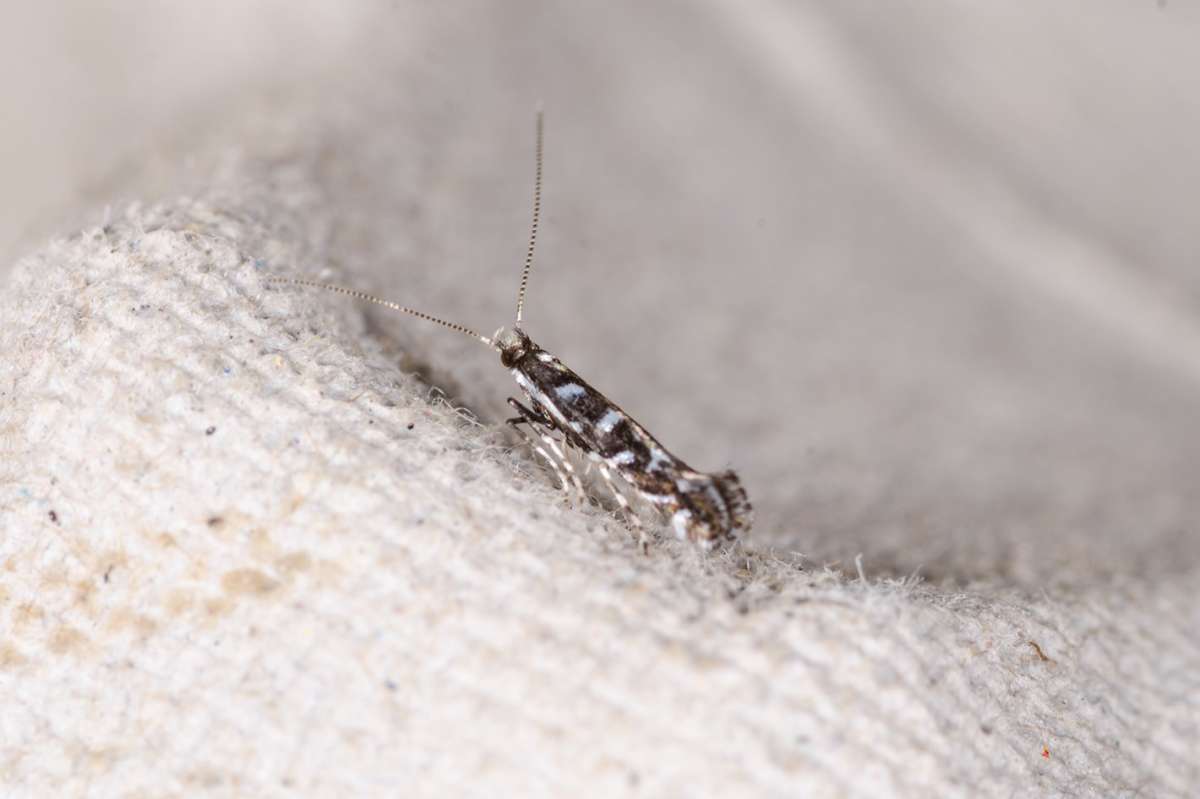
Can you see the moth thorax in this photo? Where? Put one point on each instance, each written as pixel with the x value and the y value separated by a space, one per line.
pixel 513 345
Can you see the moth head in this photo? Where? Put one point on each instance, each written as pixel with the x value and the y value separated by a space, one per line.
pixel 513 345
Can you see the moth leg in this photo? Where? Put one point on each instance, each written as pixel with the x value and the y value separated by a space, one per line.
pixel 516 423
pixel 565 461
pixel 634 521
pixel 541 425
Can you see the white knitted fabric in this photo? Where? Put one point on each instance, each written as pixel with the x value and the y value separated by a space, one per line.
pixel 248 548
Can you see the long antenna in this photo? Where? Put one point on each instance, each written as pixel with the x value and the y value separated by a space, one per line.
pixel 537 212
pixel 362 295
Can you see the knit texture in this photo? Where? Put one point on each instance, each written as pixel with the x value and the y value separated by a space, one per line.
pixel 259 541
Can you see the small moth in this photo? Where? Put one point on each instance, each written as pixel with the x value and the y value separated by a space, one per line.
pixel 703 508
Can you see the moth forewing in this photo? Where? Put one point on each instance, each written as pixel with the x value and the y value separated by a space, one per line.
pixel 704 508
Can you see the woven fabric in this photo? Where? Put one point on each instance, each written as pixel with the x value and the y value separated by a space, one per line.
pixel 248 547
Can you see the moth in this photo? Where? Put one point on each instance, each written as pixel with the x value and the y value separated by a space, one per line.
pixel 565 413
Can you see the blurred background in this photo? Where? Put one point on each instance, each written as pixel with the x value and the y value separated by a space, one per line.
pixel 924 273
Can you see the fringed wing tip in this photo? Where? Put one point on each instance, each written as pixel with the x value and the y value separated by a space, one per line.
pixel 741 512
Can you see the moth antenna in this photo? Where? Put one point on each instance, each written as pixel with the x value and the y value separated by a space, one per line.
pixel 537 212
pixel 362 295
